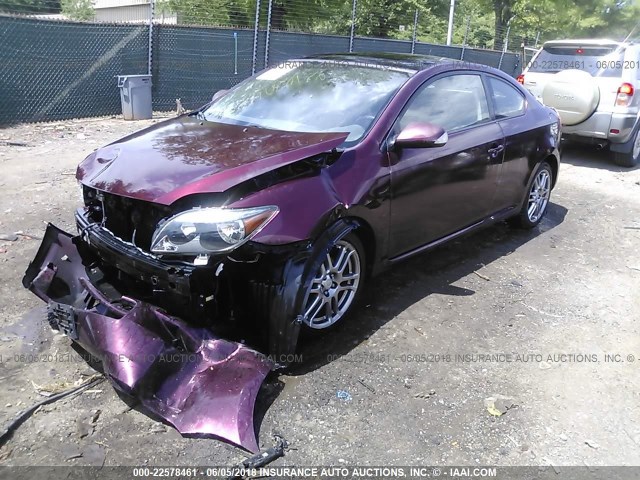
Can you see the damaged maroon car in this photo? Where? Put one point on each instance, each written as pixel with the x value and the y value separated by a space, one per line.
pixel 263 213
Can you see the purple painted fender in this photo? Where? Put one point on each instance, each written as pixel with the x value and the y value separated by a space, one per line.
pixel 198 383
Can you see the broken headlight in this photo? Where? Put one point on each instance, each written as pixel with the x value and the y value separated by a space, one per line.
pixel 209 230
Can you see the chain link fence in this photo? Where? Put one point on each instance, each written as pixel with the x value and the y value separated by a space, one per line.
pixel 56 70
pixel 60 57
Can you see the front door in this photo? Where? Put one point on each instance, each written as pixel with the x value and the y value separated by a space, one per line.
pixel 440 190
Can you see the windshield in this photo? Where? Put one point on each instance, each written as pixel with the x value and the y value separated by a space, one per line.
pixel 311 97
pixel 599 61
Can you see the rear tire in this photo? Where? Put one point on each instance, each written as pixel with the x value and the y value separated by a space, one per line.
pixel 629 159
pixel 537 201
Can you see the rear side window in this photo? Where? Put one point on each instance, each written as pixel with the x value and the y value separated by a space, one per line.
pixel 599 61
pixel 508 101
pixel 452 102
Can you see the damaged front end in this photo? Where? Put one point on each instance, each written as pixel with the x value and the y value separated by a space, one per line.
pixel 199 383
pixel 187 256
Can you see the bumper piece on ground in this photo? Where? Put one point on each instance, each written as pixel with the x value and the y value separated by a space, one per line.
pixel 198 383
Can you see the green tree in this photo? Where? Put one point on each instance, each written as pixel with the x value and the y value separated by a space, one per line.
pixel 78 9
pixel 563 18
pixel 376 18
pixel 382 18
pixel 314 15
pixel 212 12
pixel 394 18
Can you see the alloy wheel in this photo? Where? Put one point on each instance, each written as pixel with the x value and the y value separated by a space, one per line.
pixel 539 196
pixel 334 286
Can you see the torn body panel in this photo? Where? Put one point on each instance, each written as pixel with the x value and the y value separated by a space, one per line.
pixel 260 282
pixel 356 186
pixel 195 381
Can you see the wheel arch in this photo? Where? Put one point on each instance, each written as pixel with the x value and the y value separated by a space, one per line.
pixel 555 167
pixel 285 318
pixel 365 234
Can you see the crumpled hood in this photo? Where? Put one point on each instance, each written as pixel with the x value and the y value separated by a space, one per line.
pixel 183 156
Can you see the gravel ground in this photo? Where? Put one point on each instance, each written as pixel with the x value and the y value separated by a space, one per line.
pixel 550 304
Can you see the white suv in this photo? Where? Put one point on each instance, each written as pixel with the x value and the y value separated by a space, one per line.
pixel 595 87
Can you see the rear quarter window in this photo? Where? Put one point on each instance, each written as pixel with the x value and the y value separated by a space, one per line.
pixel 507 100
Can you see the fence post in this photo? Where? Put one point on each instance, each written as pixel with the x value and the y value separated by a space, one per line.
pixel 152 12
pixel 415 30
pixel 254 58
pixel 266 40
pixel 353 25
pixel 235 53
pixel 466 36
pixel 506 43
pixel 452 8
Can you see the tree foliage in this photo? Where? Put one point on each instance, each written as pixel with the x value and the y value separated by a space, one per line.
pixel 554 19
pixel 489 19
pixel 78 9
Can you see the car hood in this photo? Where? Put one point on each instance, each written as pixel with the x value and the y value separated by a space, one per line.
pixel 183 156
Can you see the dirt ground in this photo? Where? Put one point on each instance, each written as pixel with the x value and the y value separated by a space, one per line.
pixel 549 305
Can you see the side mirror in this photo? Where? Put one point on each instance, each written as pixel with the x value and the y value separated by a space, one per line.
pixel 218 94
pixel 420 135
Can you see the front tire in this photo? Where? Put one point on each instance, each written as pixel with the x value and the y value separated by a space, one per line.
pixel 539 192
pixel 629 159
pixel 336 285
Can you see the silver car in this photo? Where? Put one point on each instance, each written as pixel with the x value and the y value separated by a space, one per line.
pixel 593 84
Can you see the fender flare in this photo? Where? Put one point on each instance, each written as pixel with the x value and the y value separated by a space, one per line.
pixel 285 318
pixel 626 147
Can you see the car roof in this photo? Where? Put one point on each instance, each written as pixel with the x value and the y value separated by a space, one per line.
pixel 584 41
pixel 404 61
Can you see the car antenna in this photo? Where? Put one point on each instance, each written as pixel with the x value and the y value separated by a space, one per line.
pixel 619 47
pixel 631 32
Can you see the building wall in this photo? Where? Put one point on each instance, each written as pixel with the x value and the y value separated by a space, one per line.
pixel 128 13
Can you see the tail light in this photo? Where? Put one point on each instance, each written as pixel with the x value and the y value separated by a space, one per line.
pixel 520 79
pixel 625 93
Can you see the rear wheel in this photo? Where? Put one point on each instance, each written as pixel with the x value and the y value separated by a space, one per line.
pixel 537 201
pixel 336 284
pixel 631 158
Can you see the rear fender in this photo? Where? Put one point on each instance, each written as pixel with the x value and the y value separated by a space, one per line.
pixel 626 147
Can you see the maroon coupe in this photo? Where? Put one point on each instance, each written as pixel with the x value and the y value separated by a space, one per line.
pixel 270 206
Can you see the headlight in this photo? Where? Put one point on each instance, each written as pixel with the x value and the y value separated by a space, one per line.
pixel 210 230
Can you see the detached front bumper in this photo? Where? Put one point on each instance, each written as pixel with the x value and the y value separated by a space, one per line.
pixel 197 382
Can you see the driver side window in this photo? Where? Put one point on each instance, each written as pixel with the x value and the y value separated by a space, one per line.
pixel 453 102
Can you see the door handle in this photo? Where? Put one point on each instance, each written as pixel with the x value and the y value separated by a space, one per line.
pixel 495 151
